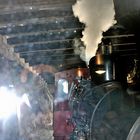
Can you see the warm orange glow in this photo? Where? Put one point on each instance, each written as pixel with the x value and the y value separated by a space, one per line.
pixel 79 72
pixel 99 59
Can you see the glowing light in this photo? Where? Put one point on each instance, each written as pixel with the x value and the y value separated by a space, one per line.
pixel 7 103
pixel 10 103
pixel 99 59
pixel 79 72
pixel 100 71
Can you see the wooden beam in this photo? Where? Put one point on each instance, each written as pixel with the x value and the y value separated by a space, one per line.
pixel 26 48
pixel 48 36
pixel 33 26
pixel 21 3
pixel 24 15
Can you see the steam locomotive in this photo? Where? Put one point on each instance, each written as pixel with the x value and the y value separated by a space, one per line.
pixel 101 108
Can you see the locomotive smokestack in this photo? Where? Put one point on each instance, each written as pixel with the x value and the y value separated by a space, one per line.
pixel 102 65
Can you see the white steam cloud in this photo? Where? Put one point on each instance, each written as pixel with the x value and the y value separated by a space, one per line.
pixel 98 16
pixel 79 48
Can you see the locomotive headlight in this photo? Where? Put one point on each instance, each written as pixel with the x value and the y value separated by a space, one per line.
pixel 10 103
pixel 100 71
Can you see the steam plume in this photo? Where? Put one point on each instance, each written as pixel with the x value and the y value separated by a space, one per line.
pixel 79 48
pixel 98 16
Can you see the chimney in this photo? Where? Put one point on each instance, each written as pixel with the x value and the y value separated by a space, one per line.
pixel 102 67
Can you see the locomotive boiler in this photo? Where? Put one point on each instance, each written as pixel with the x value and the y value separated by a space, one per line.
pixel 101 112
